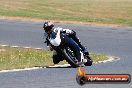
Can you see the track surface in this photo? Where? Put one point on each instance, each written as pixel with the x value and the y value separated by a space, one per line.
pixel 108 40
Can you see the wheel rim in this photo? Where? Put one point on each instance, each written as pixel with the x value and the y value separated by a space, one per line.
pixel 71 54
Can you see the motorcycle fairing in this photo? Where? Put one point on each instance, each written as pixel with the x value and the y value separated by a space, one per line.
pixel 55 38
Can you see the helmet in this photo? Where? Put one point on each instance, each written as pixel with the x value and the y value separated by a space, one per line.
pixel 48 26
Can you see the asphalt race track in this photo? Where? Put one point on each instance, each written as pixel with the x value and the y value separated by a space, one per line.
pixel 116 41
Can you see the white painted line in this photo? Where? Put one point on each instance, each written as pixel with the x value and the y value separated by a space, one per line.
pixel 27 47
pixel 38 48
pixel 110 59
pixel 22 47
pixel 15 46
pixel 16 70
pixel 4 45
pixel 64 65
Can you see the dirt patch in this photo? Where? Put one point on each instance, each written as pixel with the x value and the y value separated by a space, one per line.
pixel 2 50
pixel 57 21
pixel 14 4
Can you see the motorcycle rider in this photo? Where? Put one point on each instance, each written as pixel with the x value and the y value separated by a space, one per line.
pixel 49 28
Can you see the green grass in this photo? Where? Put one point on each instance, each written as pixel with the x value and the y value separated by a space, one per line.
pixel 99 11
pixel 11 58
pixel 14 58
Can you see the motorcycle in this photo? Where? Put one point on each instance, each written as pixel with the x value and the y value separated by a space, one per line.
pixel 69 49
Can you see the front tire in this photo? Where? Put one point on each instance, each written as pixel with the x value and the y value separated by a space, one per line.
pixel 70 59
pixel 71 51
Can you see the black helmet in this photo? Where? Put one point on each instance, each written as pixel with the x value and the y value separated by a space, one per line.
pixel 48 26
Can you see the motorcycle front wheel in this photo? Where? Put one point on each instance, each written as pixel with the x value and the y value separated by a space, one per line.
pixel 70 57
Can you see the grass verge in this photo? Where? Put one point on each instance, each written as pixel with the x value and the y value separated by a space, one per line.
pixel 99 11
pixel 14 58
